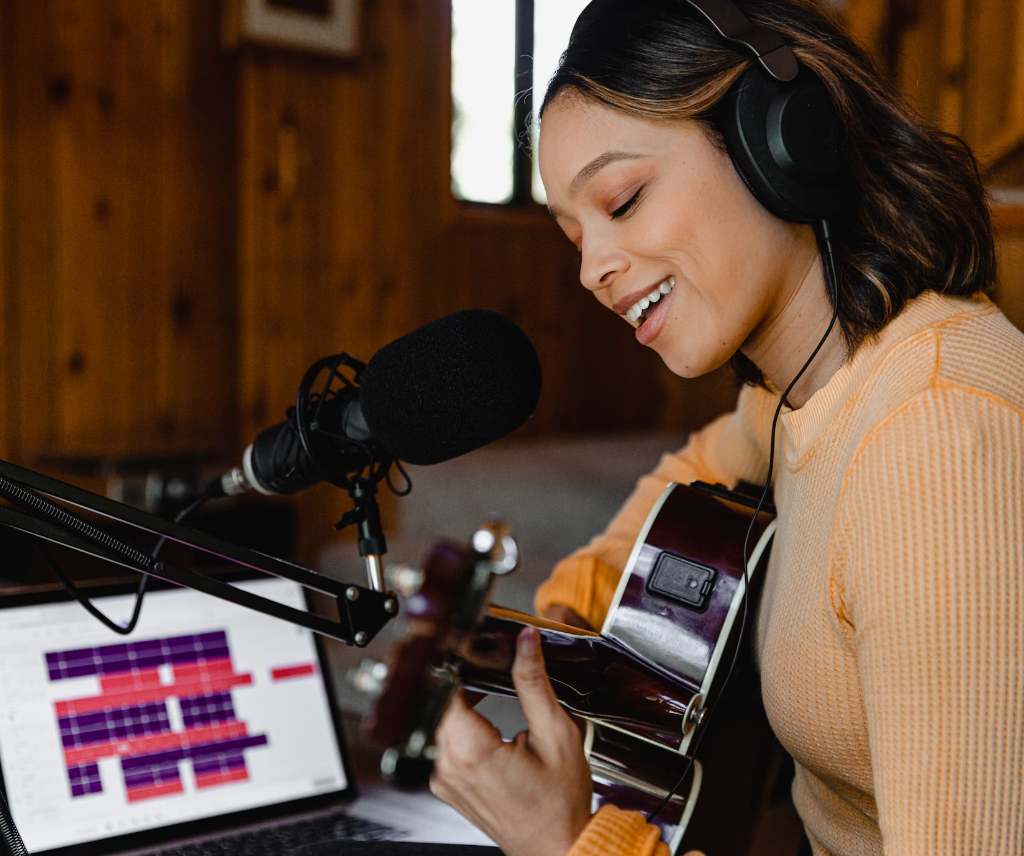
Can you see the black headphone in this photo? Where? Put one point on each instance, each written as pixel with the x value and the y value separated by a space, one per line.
pixel 780 125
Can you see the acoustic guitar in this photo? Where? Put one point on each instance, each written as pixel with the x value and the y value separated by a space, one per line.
pixel 641 689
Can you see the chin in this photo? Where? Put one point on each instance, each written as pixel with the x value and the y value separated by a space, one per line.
pixel 691 365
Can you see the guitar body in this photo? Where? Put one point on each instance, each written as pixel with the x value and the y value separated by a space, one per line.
pixel 640 688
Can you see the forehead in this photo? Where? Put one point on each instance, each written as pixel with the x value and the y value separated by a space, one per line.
pixel 575 130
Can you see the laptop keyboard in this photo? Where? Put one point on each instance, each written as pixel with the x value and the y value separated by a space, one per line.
pixel 279 840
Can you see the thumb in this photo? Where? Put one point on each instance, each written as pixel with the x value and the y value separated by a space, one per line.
pixel 530 677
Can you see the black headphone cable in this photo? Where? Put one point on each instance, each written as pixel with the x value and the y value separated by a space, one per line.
pixel 823 231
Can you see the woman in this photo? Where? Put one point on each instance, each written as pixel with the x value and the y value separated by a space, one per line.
pixel 889 636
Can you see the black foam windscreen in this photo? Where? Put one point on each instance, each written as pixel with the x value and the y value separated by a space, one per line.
pixel 450 387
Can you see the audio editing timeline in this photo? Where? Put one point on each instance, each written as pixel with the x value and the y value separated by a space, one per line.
pixel 207 708
pixel 131 718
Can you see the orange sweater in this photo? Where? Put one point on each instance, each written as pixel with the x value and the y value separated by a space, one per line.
pixel 890 634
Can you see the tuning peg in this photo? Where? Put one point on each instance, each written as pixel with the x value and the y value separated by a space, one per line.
pixel 494 540
pixel 405 771
pixel 368 678
pixel 404 579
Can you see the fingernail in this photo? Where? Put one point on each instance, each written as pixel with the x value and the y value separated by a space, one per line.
pixel 529 641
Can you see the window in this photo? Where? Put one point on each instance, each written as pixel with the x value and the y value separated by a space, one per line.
pixel 503 54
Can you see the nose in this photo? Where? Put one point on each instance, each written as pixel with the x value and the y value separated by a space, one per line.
pixel 601 263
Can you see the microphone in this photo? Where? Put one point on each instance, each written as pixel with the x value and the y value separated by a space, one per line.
pixel 434 394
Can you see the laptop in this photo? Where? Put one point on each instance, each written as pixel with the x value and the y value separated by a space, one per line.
pixel 210 729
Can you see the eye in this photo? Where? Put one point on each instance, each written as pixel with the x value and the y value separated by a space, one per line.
pixel 623 210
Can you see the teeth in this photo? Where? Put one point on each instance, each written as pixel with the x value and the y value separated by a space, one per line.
pixel 637 309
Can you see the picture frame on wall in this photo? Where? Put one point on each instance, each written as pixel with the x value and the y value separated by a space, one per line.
pixel 328 27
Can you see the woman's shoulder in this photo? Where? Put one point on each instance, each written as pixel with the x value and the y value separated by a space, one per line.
pixel 942 346
pixel 940 424
pixel 981 352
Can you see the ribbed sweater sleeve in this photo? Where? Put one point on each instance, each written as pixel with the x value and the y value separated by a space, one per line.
pixel 730 449
pixel 928 588
pixel 613 830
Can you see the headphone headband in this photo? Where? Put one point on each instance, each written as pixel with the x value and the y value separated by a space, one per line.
pixel 771 51
pixel 779 124
pixel 778 119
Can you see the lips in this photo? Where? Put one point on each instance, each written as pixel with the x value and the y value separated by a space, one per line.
pixel 647 309
pixel 633 304
pixel 653 319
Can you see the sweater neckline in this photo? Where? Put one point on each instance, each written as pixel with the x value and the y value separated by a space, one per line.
pixel 804 427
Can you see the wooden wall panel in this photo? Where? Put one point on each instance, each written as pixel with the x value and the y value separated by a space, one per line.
pixel 1009 221
pixel 1011 287
pixel 28 236
pixel 340 227
pixel 123 195
pixel 916 56
pixel 365 242
pixel 961 64
pixel 994 88
pixel 184 229
pixel 340 238
pixel 868 23
pixel 349 237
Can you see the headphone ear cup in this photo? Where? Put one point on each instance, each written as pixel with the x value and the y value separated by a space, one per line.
pixel 785 141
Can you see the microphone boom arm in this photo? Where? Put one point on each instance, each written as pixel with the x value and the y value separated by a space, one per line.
pixel 362 612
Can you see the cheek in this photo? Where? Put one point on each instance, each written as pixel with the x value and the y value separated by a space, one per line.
pixel 706 326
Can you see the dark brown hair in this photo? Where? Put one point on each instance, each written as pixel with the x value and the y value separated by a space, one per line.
pixel 921 220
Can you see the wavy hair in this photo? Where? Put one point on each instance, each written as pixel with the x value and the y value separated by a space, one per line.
pixel 921 220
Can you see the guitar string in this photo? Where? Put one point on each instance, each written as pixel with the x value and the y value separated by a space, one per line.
pixel 825 236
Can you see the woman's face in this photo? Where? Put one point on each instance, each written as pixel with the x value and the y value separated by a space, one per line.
pixel 656 208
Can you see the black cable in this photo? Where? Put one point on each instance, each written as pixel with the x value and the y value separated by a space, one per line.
pixel 212 490
pixel 77 594
pixel 824 233
pixel 405 491
pixel 29 499
pixel 73 590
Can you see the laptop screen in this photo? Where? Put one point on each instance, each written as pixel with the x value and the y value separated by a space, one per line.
pixel 207 708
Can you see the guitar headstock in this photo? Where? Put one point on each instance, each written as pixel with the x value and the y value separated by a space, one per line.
pixel 440 615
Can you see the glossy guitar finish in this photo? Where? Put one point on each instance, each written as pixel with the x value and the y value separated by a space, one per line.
pixel 639 688
pixel 685 643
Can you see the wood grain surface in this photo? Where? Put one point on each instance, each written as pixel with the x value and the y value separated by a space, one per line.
pixel 184 228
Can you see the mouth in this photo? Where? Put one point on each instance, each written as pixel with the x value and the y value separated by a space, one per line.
pixel 640 311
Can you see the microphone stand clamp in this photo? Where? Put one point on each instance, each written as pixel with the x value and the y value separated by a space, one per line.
pixel 365 514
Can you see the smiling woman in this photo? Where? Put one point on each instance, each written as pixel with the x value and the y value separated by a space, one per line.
pixel 742 184
pixel 653 203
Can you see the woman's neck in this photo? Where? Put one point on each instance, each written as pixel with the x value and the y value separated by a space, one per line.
pixel 792 330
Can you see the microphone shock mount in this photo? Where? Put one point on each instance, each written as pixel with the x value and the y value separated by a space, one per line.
pixel 349 458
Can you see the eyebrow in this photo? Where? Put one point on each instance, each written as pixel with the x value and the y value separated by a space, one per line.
pixel 597 164
pixel 591 169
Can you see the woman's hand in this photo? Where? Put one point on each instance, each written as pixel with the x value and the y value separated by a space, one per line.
pixel 532 796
